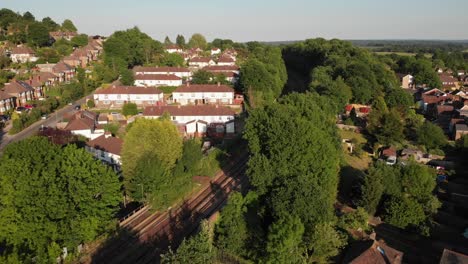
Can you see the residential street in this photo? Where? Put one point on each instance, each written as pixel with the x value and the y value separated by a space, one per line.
pixel 31 130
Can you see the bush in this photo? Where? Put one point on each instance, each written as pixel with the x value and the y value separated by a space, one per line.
pixel 355 220
pixel 90 104
pixel 129 109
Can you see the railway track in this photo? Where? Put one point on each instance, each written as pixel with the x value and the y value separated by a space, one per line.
pixel 146 233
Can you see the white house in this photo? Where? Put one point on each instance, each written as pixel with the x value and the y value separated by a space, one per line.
pixel 117 96
pixel 195 119
pixel 203 94
pixel 23 55
pixel 106 148
pixel 173 49
pixel 215 51
pixel 84 123
pixel 201 62
pixel 177 71
pixel 7 101
pixel 157 80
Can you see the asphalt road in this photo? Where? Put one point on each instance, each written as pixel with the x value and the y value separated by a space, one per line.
pixel 51 121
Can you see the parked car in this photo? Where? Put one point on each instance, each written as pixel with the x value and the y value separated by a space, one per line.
pixel 44 117
pixel 77 107
pixel 4 118
pixel 391 160
pixel 20 109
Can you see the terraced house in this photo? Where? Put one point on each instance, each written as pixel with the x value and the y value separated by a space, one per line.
pixel 203 94
pixel 117 96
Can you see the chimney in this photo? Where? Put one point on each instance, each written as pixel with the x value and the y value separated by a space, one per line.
pixel 217 106
pixel 107 134
pixel 178 106
pixel 219 84
pixel 188 84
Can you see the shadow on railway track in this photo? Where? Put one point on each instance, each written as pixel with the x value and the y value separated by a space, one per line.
pixel 146 244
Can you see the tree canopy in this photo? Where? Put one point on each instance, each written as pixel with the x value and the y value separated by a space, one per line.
pixel 67 25
pixel 52 197
pixel 197 40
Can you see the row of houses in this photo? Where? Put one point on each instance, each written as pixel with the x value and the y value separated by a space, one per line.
pixel 17 93
pixel 175 76
pixel 449 82
pixel 191 121
pixel 198 94
pixel 448 110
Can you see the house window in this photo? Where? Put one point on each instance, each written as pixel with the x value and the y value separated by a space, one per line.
pixel 102 154
pixel 212 95
pixel 106 102
pixel 224 94
pixel 119 102
pixel 193 94
pixel 106 96
pixel 118 96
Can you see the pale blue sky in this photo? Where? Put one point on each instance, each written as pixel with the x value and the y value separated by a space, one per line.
pixel 263 20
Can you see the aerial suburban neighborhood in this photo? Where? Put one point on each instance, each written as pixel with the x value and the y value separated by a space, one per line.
pixel 130 140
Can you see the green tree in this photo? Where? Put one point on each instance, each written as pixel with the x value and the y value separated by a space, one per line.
pixel 191 157
pixel 68 25
pixel 38 35
pixel 431 136
pixel 197 41
pixel 158 139
pixel 171 60
pixel 126 77
pixel 197 250
pixel 231 230
pixel 402 212
pixel 80 40
pixel 180 41
pixel 130 109
pixel 28 16
pixel 294 173
pixel 371 190
pixel 50 24
pixel 74 196
pixel 388 129
pixel 90 103
pixel 325 242
pixel 284 240
pixel 167 41
pixel 202 77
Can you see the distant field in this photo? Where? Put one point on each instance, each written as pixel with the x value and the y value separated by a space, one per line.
pixel 466 51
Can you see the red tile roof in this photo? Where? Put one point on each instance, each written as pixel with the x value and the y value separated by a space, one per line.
pixel 189 110
pixel 207 88
pixel 375 252
pixel 22 50
pixel 80 124
pixel 389 152
pixel 200 59
pixel 107 143
pixel 17 87
pixel 62 67
pixel 163 77
pixel 225 59
pixel 128 90
pixel 221 68
pixel 173 47
pixel 452 257
pixel 4 95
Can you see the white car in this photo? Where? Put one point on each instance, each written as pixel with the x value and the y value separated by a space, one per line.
pixel 391 160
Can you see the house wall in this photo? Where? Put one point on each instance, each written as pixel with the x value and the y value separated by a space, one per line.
pixel 104 156
pixel 158 82
pixel 191 128
pixel 118 100
pixel 5 105
pixel 186 74
pixel 213 98
pixel 88 133
pixel 22 58
pixel 226 63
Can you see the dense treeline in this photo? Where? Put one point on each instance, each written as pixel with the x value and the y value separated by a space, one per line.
pixel 263 74
pixel 25 28
pixel 52 197
pixel 413 46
